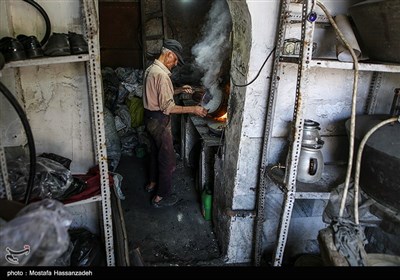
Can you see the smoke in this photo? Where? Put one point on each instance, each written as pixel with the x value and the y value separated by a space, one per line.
pixel 211 50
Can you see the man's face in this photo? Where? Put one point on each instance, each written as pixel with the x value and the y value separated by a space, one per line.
pixel 172 60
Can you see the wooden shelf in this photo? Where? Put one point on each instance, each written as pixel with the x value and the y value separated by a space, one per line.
pixel 332 176
pixel 47 60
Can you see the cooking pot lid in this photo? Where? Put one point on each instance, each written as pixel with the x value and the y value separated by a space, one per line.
pixel 310 123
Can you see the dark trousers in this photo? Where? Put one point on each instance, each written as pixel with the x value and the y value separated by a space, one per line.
pixel 162 159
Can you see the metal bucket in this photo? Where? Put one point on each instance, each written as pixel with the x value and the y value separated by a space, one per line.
pixel 378 25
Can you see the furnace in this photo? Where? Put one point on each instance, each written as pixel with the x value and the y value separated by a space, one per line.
pixel 202 138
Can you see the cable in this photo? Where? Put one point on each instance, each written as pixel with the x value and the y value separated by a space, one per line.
pixel 31 144
pixel 46 19
pixel 259 71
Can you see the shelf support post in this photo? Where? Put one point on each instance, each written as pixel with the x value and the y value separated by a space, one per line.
pixel 96 92
pixel 307 30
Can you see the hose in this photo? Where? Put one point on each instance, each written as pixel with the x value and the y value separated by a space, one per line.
pixel 358 162
pixel 46 19
pixel 31 144
pixel 353 105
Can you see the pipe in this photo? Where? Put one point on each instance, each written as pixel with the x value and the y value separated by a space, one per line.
pixel 46 19
pixel 31 144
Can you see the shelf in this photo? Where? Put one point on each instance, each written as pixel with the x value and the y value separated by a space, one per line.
pixel 375 67
pixel 332 176
pixel 335 64
pixel 47 60
pixel 85 201
pixel 90 25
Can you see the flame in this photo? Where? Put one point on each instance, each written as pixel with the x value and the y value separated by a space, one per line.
pixel 222 118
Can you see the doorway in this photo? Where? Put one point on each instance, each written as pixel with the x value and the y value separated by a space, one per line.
pixel 177 235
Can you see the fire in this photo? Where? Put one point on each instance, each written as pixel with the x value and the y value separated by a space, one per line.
pixel 222 118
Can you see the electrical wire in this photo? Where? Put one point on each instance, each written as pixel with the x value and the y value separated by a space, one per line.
pixel 353 106
pixel 31 144
pixel 312 5
pixel 259 71
pixel 358 162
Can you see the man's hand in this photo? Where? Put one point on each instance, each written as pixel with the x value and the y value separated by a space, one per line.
pixel 200 111
pixel 187 89
pixel 184 89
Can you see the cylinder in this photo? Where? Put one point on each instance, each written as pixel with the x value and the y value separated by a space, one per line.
pixel 343 53
pixel 206 204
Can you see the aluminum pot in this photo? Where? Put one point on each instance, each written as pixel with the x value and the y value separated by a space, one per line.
pixel 311 165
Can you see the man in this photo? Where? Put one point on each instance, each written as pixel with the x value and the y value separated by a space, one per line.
pixel 159 104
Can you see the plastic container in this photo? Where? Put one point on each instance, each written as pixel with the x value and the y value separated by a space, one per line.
pixel 206 204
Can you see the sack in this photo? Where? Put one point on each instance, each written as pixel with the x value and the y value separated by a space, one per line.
pixel 136 110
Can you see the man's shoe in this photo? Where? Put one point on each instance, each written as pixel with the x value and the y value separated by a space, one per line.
pixel 165 201
pixel 78 43
pixel 57 45
pixel 12 49
pixel 31 45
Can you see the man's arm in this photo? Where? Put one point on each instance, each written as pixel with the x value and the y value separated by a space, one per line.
pixel 197 110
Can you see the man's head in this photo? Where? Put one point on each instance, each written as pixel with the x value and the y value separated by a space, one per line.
pixel 175 47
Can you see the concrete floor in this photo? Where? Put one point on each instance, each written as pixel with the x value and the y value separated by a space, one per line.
pixel 171 236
